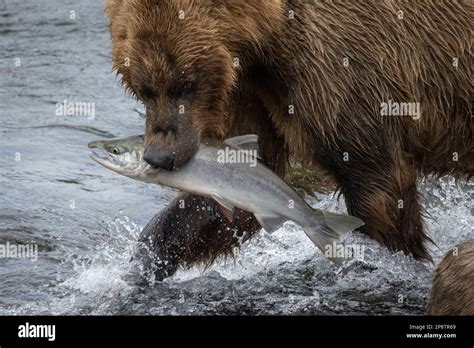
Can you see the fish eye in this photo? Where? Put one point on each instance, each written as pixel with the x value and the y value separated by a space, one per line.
pixel 115 150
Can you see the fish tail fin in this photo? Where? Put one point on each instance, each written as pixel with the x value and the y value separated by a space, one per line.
pixel 328 230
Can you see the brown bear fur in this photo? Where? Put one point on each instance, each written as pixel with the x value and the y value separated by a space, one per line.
pixel 452 292
pixel 277 68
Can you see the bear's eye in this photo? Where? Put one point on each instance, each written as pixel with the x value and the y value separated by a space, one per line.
pixel 183 89
pixel 188 85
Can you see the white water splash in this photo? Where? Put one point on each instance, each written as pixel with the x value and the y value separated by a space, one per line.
pixel 99 276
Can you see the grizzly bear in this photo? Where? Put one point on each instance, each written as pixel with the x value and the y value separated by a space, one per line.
pixel 452 292
pixel 374 93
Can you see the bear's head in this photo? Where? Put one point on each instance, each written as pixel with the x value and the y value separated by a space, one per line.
pixel 181 59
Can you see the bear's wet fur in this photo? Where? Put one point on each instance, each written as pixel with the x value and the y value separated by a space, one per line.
pixel 452 292
pixel 309 78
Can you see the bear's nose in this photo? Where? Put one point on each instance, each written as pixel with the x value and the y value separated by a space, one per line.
pixel 161 158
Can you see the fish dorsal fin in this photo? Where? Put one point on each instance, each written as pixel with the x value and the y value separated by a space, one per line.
pixel 244 142
pixel 226 208
pixel 270 223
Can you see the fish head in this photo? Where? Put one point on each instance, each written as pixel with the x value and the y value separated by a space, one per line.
pixel 123 156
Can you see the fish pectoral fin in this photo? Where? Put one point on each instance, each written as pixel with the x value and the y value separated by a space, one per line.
pixel 270 223
pixel 244 142
pixel 226 208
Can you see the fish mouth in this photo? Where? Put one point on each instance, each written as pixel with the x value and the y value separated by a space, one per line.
pixel 118 164
pixel 104 158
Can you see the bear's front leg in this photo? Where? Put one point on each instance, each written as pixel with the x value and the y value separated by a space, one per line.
pixel 386 198
pixel 190 231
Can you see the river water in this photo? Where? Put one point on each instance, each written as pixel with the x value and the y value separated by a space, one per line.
pixel 86 220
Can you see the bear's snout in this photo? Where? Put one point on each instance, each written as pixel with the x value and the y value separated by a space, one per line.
pixel 161 158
